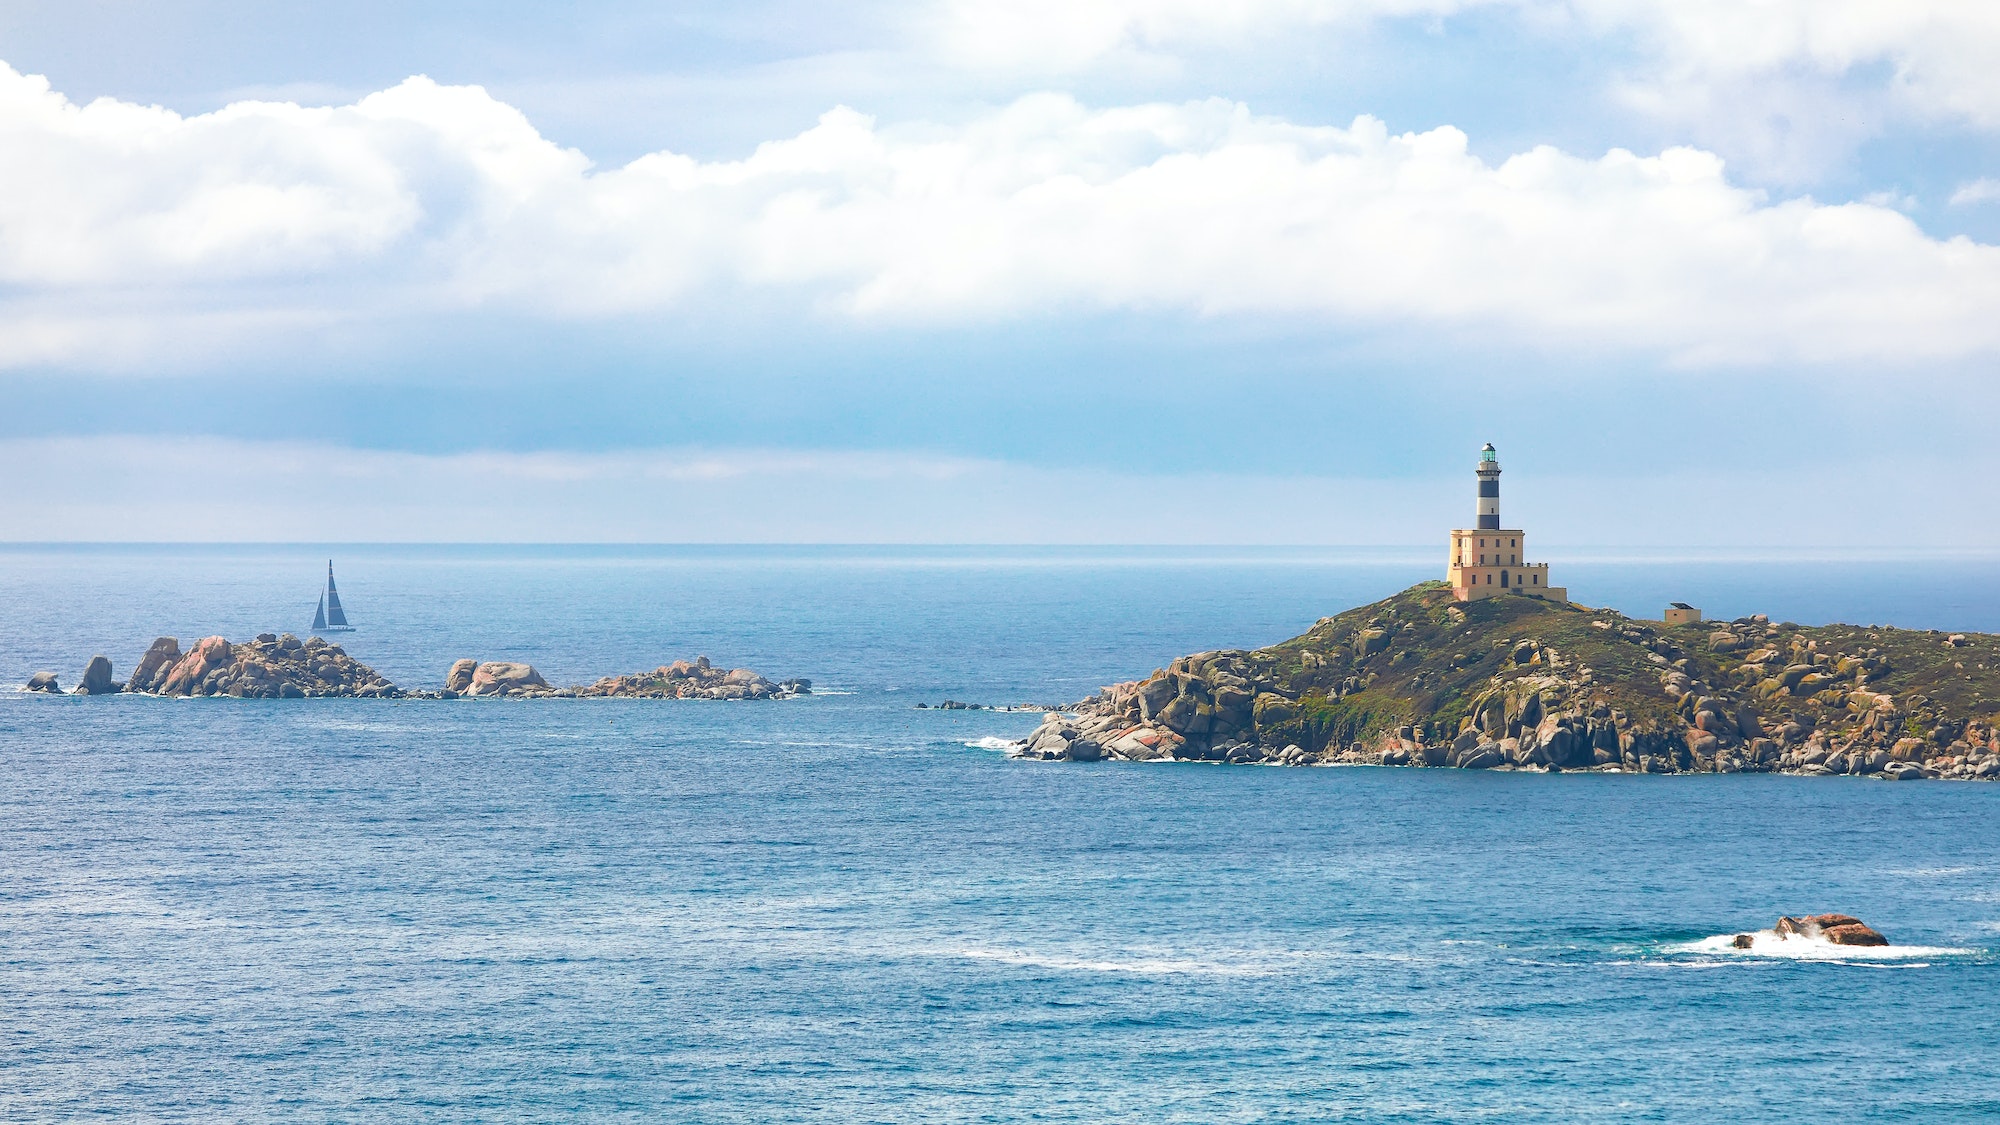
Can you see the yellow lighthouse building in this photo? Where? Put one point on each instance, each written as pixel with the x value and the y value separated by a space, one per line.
pixel 1486 560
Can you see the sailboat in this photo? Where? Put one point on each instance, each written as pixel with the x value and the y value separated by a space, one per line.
pixel 329 617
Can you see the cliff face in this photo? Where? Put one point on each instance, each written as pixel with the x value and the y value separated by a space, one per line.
pixel 1514 682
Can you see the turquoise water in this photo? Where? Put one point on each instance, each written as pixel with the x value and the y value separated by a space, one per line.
pixel 842 908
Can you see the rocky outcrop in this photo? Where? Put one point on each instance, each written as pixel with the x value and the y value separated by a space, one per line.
pixel 284 667
pixel 504 677
pixel 1840 929
pixel 696 679
pixel 153 668
pixel 269 667
pixel 97 679
pixel 191 672
pixel 1521 684
pixel 459 678
pixel 683 679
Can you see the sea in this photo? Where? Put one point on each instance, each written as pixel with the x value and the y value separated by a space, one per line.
pixel 854 907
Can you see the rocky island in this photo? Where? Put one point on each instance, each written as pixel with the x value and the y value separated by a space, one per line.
pixel 284 667
pixel 682 679
pixel 268 667
pixel 1425 679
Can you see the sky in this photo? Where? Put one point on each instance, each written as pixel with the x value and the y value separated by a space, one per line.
pixel 1709 273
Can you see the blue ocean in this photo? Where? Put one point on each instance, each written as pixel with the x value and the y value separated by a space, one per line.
pixel 848 908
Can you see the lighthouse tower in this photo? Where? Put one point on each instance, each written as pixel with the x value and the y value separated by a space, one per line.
pixel 1486 560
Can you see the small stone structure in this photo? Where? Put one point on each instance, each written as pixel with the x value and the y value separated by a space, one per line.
pixel 1681 613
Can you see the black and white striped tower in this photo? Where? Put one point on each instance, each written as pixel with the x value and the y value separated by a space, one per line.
pixel 1489 489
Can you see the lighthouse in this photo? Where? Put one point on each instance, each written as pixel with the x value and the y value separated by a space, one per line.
pixel 1487 559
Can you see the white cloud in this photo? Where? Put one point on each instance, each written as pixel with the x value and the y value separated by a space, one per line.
pixel 1061 36
pixel 209 489
pixel 1940 52
pixel 122 226
pixel 1983 190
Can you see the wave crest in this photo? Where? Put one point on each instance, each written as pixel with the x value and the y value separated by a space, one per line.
pixel 1764 943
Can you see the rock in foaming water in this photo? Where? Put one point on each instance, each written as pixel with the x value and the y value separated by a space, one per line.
pixel 1834 929
pixel 1840 929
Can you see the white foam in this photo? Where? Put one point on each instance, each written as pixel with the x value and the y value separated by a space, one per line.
pixel 1766 943
pixel 992 743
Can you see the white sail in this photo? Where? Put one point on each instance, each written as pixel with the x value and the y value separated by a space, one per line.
pixel 335 617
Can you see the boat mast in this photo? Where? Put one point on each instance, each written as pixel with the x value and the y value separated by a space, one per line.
pixel 335 616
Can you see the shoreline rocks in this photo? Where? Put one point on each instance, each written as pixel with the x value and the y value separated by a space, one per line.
pixel 1516 683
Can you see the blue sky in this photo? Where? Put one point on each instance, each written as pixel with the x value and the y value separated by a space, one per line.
pixel 1709 273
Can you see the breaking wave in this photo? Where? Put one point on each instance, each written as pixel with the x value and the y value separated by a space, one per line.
pixel 992 743
pixel 1764 943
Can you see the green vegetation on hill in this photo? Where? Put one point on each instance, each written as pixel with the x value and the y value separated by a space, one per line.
pixel 1420 678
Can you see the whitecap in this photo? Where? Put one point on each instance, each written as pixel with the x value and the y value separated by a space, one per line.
pixel 992 743
pixel 1765 943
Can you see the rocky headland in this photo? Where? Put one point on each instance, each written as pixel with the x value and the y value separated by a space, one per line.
pixel 1515 683
pixel 284 667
